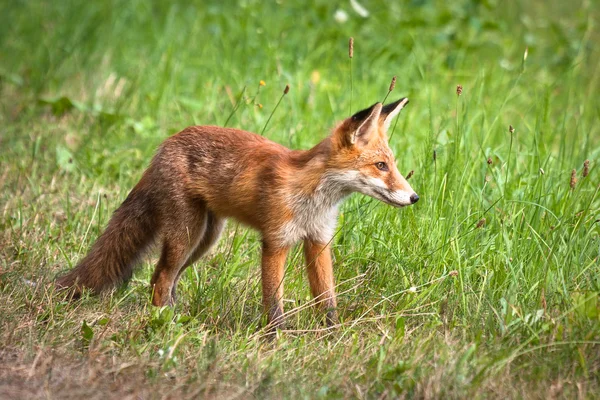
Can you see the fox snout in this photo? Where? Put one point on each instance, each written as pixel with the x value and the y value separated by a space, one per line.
pixel 397 194
pixel 400 198
pixel 401 193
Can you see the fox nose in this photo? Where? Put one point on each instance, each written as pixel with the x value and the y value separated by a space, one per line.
pixel 414 198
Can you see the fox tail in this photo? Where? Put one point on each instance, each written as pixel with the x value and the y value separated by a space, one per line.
pixel 112 258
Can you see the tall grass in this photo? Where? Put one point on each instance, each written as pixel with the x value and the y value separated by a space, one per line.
pixel 489 286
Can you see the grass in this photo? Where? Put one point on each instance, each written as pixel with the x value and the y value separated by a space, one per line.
pixel 488 287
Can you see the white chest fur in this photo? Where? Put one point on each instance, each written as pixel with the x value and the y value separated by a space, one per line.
pixel 314 216
pixel 313 223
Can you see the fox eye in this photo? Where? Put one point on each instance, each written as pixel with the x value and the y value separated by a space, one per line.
pixel 381 166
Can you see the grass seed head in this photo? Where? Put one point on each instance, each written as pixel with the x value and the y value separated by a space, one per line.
pixel 586 168
pixel 480 223
pixel 351 47
pixel 489 161
pixel 287 89
pixel 410 174
pixel 453 273
pixel 392 84
pixel 459 90
pixel 511 129
pixel 541 171
pixel 573 179
pixel 434 155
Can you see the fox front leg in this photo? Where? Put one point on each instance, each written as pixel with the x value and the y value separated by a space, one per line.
pixel 272 271
pixel 320 277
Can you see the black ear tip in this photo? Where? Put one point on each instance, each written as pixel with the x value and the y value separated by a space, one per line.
pixel 362 114
pixel 400 100
pixel 392 106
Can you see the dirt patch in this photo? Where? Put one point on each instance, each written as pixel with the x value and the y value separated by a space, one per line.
pixel 48 375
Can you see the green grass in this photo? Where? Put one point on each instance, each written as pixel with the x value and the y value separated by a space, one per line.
pixel 434 302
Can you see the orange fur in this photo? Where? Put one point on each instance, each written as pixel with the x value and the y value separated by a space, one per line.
pixel 320 277
pixel 206 174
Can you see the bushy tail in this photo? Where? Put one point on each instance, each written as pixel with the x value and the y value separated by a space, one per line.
pixel 113 256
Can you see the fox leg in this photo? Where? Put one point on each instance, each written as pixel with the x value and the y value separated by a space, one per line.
pixel 320 277
pixel 214 227
pixel 273 267
pixel 179 242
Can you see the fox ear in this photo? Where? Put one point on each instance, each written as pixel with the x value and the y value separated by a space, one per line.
pixel 363 124
pixel 389 111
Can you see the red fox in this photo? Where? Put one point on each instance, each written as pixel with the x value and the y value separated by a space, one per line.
pixel 205 174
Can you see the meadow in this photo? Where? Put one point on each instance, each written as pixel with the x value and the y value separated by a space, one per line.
pixel 489 287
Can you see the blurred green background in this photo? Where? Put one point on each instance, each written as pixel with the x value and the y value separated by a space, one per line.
pixel 488 287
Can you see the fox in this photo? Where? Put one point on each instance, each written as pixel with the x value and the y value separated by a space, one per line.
pixel 204 175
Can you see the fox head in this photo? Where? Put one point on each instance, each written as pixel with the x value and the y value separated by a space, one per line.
pixel 363 159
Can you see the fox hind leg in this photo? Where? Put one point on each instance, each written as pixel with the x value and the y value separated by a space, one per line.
pixel 181 237
pixel 214 228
